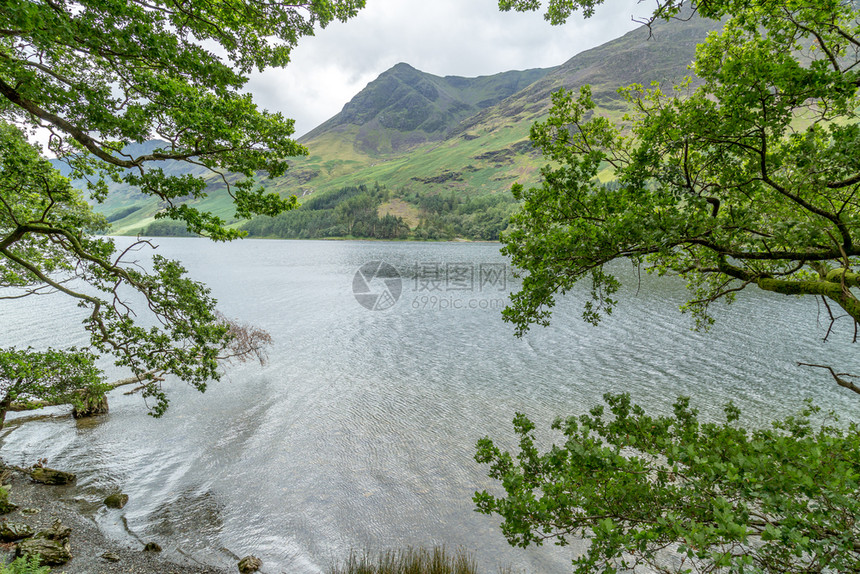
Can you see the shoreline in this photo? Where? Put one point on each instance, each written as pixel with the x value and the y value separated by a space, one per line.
pixel 273 238
pixel 88 543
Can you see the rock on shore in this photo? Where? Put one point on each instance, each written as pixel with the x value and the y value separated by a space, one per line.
pixel 40 506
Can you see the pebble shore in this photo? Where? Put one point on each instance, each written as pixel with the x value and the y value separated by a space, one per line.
pixel 40 505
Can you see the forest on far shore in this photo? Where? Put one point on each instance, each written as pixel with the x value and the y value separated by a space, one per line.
pixel 357 212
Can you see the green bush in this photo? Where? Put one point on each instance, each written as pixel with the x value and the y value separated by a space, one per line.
pixel 677 494
pixel 24 565
pixel 5 505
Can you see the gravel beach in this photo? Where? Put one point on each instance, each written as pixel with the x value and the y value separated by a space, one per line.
pixel 40 505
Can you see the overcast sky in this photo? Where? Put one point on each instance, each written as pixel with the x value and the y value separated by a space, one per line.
pixel 443 37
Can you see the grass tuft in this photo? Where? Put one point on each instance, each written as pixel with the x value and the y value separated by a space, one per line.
pixel 408 561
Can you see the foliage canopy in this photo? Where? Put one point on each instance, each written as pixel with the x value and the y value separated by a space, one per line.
pixel 51 376
pixel 746 175
pixel 99 75
pixel 678 495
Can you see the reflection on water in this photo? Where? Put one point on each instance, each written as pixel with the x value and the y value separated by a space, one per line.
pixel 360 432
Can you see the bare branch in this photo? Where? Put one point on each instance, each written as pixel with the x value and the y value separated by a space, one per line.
pixel 838 377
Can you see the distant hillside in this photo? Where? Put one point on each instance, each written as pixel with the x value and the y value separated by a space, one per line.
pixel 486 152
pixel 662 53
pixel 418 135
pixel 128 210
pixel 405 107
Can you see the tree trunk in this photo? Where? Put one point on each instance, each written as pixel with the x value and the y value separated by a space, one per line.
pixel 92 405
pixel 4 406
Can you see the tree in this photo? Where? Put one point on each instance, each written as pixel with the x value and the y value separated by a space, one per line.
pixel 747 176
pixel 673 494
pixel 36 378
pixel 99 75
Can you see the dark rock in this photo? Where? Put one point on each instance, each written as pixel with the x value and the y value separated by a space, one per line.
pixel 116 500
pixel 250 564
pixel 92 406
pixel 12 531
pixel 152 547
pixel 55 532
pixel 50 476
pixel 50 552
pixel 111 557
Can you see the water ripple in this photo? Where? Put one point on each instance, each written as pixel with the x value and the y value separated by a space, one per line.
pixel 360 432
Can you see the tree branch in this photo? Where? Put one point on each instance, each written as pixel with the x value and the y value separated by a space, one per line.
pixel 838 377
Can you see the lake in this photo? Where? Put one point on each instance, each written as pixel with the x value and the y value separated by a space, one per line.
pixel 359 432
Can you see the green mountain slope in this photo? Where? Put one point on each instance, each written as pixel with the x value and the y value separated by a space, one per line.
pixel 419 135
pixel 127 209
pixel 405 107
pixel 487 151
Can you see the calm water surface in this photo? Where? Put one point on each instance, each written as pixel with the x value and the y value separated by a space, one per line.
pixel 359 433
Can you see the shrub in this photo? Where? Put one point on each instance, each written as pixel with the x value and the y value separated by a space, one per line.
pixel 24 565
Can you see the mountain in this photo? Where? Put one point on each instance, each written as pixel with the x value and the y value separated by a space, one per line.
pixel 419 135
pixel 405 107
pixel 660 53
pixel 488 150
